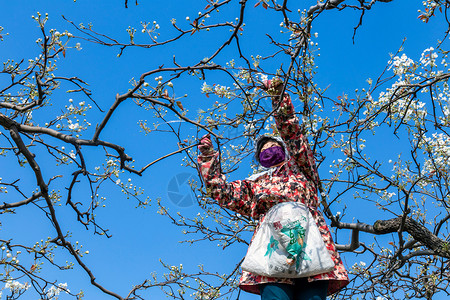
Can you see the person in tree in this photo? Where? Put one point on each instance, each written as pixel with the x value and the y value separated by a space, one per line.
pixel 291 175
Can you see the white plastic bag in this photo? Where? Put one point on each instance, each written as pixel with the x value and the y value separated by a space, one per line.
pixel 288 244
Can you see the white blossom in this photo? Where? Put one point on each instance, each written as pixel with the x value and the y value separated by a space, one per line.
pixel 264 77
pixel 206 88
pixel 16 286
pixel 110 163
pixel 439 145
pixel 74 127
pixel 401 64
pixel 429 57
pixel 56 290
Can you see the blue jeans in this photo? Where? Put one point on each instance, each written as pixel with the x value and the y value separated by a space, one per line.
pixel 301 290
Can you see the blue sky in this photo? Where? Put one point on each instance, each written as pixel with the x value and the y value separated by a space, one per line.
pixel 140 236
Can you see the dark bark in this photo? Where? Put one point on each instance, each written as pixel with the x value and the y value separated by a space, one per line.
pixel 418 231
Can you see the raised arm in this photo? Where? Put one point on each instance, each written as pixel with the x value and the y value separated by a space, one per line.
pixel 290 130
pixel 236 195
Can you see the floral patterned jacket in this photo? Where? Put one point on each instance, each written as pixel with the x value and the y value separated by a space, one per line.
pixel 296 180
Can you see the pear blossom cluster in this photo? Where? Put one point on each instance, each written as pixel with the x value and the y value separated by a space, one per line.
pixel 388 195
pixel 3 188
pixel 256 60
pixel 10 257
pixel 1 35
pixel 314 122
pixel 57 34
pixel 16 287
pixel 53 292
pixel 396 99
pixel 151 29
pixel 113 167
pixel 357 268
pixel 429 9
pixel 73 115
pixel 38 18
pixel 146 88
pixel 219 90
pixel 400 65
pixel 249 128
pixel 129 189
pixel 61 40
pixel 66 158
pixel 263 77
pixel 131 32
pixel 439 145
pixel 429 57
pixel 444 98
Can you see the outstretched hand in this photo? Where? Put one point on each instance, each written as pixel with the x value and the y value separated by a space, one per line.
pixel 205 147
pixel 274 87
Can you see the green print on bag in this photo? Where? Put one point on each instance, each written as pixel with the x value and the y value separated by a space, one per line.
pixel 297 243
pixel 271 247
pixel 288 244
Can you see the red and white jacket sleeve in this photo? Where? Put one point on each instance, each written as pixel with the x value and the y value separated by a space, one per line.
pixel 236 195
pixel 290 131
